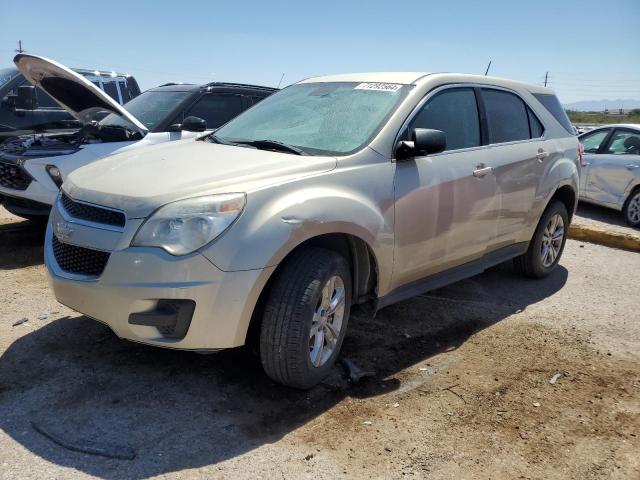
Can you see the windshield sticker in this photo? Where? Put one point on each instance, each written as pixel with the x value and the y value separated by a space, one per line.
pixel 380 87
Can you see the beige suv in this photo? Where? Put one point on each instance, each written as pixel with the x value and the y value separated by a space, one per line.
pixel 340 191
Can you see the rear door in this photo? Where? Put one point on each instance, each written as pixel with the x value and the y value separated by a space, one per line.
pixel 615 167
pixel 517 155
pixel 446 205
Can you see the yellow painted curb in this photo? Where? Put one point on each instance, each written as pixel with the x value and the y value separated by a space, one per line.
pixel 604 237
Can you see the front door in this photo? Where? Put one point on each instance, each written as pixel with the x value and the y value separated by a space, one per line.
pixel 446 204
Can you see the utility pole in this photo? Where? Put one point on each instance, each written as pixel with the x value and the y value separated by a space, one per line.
pixel 19 50
pixel 546 77
pixel 487 70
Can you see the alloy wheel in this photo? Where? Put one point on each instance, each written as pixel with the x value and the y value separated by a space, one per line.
pixel 327 321
pixel 552 238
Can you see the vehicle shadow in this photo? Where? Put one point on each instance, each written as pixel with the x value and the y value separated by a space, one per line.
pixel 21 244
pixel 601 214
pixel 180 410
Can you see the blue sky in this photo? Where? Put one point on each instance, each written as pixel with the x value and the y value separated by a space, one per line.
pixel 590 48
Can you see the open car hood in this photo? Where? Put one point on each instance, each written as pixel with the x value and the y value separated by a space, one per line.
pixel 70 90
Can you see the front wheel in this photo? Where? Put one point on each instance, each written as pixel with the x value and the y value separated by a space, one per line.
pixel 631 209
pixel 547 244
pixel 305 318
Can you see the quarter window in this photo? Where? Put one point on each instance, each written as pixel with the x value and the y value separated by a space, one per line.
pixel 455 112
pixel 507 116
pixel 217 109
pixel 592 141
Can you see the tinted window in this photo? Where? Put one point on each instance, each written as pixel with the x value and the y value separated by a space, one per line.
pixel 552 104
pixel 111 90
pixel 624 142
pixel 455 112
pixel 592 141
pixel 534 125
pixel 124 91
pixel 507 116
pixel 216 109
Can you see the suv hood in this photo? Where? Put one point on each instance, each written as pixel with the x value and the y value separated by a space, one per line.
pixel 140 181
pixel 70 90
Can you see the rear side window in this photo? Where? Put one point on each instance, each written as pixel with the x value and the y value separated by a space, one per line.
pixel 507 116
pixel 534 125
pixel 455 112
pixel 217 109
pixel 552 104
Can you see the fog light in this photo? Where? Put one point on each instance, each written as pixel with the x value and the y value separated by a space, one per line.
pixel 54 173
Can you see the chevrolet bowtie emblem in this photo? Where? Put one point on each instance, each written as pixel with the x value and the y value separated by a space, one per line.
pixel 63 230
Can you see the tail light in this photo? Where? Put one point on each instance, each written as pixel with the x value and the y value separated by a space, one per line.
pixel 581 155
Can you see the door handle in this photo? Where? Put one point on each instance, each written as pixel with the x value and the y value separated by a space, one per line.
pixel 481 170
pixel 541 155
pixel 632 166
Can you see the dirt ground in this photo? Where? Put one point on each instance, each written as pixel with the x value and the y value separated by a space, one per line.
pixel 461 387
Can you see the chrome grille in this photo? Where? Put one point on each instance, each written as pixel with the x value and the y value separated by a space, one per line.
pixel 79 260
pixel 92 213
pixel 14 176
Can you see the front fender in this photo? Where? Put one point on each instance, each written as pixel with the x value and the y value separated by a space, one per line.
pixel 275 223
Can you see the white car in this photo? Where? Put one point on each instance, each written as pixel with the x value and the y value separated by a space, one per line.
pixel 610 174
pixel 33 167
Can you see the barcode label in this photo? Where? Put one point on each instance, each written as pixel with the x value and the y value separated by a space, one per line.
pixel 381 87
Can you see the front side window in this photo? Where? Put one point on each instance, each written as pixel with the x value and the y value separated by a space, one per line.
pixel 507 116
pixel 592 141
pixel 455 112
pixel 320 118
pixel 624 142
pixel 216 109
pixel 150 108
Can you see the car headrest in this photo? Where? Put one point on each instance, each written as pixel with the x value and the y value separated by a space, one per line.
pixel 632 143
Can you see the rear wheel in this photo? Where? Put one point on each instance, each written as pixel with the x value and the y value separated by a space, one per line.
pixel 305 318
pixel 631 209
pixel 547 244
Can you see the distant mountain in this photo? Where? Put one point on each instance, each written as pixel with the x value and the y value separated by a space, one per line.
pixel 600 105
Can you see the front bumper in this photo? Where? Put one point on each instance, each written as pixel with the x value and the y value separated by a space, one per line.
pixel 138 279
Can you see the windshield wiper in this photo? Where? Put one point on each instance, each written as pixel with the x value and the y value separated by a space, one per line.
pixel 275 145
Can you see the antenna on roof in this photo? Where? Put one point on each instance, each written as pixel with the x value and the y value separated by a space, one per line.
pixel 19 49
pixel 487 70
pixel 280 82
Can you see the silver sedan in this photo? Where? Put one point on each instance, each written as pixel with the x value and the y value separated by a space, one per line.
pixel 611 169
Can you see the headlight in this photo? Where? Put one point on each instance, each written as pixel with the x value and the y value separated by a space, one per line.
pixel 184 226
pixel 55 175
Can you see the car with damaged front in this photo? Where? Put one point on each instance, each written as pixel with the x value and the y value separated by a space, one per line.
pixel 32 167
pixel 337 193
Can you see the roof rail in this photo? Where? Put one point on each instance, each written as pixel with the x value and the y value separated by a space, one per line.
pixel 231 84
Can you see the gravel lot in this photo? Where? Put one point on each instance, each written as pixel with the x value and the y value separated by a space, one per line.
pixel 462 386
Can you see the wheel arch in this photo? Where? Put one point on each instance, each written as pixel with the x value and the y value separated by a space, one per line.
pixel 362 262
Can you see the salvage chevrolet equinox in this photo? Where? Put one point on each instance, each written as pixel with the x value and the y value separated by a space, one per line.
pixel 337 192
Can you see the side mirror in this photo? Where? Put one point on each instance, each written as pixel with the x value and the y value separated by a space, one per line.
pixel 193 124
pixel 423 141
pixel 26 98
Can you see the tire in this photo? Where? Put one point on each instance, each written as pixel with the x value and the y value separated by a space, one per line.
pixel 294 302
pixel 631 210
pixel 534 263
